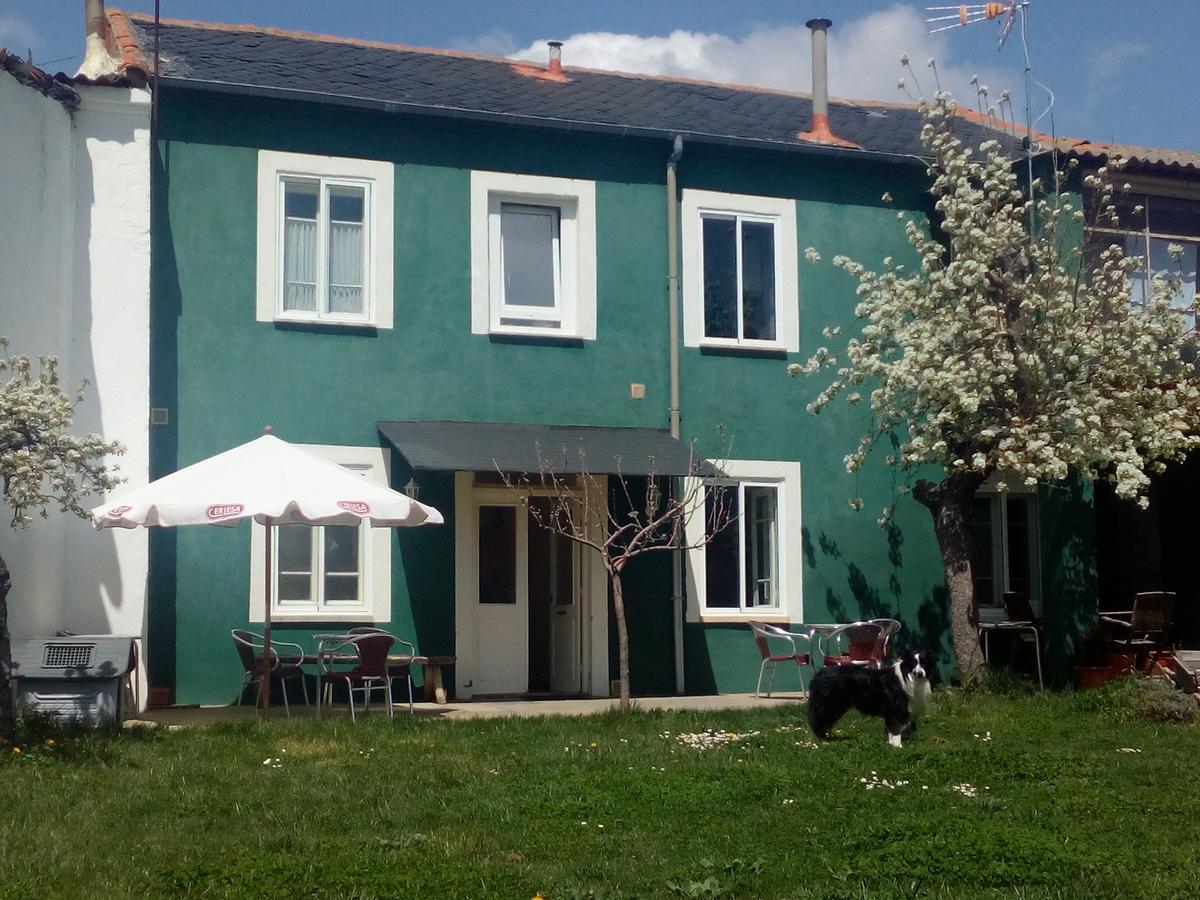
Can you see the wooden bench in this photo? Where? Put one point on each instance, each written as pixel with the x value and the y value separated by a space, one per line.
pixel 431 673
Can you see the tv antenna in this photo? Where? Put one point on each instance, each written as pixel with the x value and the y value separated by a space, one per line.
pixel 1008 12
pixel 969 13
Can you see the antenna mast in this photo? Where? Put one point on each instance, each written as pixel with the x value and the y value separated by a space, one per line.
pixel 963 14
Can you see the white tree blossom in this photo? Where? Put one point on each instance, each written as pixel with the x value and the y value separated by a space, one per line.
pixel 41 465
pixel 1008 349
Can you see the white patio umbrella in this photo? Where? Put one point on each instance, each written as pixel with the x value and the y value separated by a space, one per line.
pixel 274 483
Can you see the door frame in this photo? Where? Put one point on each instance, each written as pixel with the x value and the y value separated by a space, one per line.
pixel 593 610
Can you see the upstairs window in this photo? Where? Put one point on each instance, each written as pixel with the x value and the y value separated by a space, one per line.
pixel 533 256
pixel 739 268
pixel 324 240
pixel 527 261
pixel 740 279
pixel 1163 232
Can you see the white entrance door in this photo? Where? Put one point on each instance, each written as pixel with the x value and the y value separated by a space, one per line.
pixel 566 585
pixel 514 632
pixel 502 611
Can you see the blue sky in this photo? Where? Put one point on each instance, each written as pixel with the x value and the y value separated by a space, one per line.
pixel 1124 71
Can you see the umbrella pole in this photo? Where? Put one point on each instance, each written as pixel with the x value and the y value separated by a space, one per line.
pixel 266 672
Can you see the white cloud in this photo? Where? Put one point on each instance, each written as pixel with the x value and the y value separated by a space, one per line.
pixel 864 56
pixel 17 35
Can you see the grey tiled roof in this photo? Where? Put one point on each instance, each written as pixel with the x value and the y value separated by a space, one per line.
pixel 445 83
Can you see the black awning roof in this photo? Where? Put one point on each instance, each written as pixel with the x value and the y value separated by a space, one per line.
pixel 563 449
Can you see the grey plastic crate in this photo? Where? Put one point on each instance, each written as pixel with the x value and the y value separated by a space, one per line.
pixel 80 676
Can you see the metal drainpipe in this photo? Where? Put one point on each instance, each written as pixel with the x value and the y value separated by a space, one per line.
pixel 673 411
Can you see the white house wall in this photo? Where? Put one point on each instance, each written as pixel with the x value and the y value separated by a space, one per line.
pixel 36 180
pixel 75 283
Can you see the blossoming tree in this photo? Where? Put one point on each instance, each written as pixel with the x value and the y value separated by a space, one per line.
pixel 1009 349
pixel 576 508
pixel 41 464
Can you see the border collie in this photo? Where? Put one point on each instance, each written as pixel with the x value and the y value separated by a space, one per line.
pixel 899 693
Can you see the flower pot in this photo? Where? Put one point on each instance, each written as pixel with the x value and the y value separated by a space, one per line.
pixel 1121 663
pixel 1164 660
pixel 1093 676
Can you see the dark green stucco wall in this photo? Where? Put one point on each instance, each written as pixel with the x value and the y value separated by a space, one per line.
pixel 223 375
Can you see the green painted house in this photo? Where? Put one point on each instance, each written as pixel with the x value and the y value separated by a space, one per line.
pixel 355 242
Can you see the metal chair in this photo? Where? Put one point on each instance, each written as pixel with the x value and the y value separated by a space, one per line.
pixel 891 627
pixel 250 647
pixel 395 670
pixel 1146 632
pixel 370 672
pixel 1020 620
pixel 763 633
pixel 857 644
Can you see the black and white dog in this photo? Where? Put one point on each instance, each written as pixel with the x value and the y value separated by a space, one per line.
pixel 899 693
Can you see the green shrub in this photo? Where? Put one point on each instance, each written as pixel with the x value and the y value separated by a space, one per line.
pixel 1157 700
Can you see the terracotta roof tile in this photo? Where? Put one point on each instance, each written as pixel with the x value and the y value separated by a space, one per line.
pixel 125 47
pixel 1172 160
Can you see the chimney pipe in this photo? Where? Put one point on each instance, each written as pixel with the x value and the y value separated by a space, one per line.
pixel 820 67
pixel 555 67
pixel 820 132
pixel 97 61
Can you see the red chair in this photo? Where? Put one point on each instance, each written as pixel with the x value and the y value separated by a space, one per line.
pixel 763 633
pixel 370 672
pixel 395 670
pixel 856 644
pixel 891 627
pixel 250 647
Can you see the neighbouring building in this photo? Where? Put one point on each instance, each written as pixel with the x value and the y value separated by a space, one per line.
pixel 75 283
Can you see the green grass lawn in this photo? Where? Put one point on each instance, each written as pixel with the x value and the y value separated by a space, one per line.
pixel 997 796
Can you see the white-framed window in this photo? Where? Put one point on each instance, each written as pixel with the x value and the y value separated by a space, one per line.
pixel 746 570
pixel 328 573
pixel 740 276
pixel 533 255
pixel 322 569
pixel 1163 231
pixel 324 240
pixel 1005 553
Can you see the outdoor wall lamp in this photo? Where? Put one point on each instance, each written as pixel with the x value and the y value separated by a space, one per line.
pixel 412 489
pixel 653 497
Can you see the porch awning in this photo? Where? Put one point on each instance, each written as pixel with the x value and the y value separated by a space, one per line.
pixel 563 449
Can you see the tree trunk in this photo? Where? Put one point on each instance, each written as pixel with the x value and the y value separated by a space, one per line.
pixel 622 638
pixel 6 696
pixel 950 504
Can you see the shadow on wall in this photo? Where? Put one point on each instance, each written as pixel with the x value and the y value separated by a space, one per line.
pixel 1069 581
pixel 423 611
pixel 165 309
pixel 925 628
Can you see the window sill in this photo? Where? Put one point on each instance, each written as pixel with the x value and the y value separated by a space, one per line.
pixel 741 617
pixel 534 336
pixel 301 323
pixel 765 350
pixel 310 617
